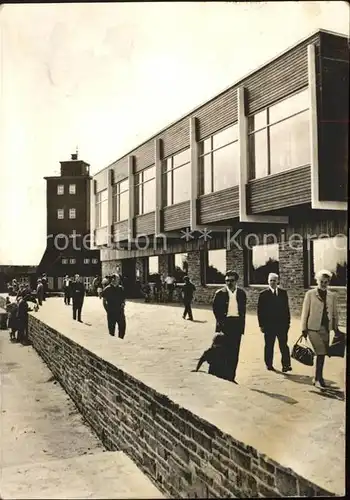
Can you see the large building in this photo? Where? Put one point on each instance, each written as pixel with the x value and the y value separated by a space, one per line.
pixel 252 180
pixel 68 246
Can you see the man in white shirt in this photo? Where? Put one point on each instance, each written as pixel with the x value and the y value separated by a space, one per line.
pixel 229 309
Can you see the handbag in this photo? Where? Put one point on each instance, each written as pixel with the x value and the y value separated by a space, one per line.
pixel 337 347
pixel 302 353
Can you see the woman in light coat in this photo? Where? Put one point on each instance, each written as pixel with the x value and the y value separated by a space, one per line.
pixel 320 316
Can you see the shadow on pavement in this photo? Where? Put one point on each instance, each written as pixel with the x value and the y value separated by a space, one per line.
pixel 330 394
pixel 280 397
pixel 198 321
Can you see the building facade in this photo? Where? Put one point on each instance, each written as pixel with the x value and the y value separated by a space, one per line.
pixel 254 180
pixel 68 246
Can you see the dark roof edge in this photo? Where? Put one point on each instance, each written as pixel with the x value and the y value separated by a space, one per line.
pixel 270 61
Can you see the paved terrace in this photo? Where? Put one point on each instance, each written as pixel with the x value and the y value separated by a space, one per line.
pixel 281 415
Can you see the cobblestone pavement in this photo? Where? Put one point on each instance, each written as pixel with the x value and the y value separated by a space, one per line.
pixel 281 415
pixel 46 450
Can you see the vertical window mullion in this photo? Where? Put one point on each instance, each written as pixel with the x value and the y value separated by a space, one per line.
pixel 172 180
pixel 268 142
pixel 212 164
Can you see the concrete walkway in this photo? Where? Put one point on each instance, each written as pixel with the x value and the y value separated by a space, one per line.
pixel 283 416
pixel 46 449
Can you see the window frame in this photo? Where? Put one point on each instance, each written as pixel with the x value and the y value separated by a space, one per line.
pixel 310 265
pixel 210 154
pixel 205 265
pixel 86 261
pixel 64 261
pixel 139 187
pixel 72 191
pixel 116 200
pixel 98 211
pixel 148 266
pixel 267 128
pixel 250 266
pixel 58 191
pixel 60 211
pixel 72 211
pixel 72 261
pixel 168 173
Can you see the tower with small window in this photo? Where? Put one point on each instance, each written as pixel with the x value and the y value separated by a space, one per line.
pixel 68 250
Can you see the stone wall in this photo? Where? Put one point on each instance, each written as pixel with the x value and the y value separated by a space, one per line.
pixel 184 455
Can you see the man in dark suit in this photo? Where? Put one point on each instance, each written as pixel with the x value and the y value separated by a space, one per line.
pixel 77 293
pixel 274 321
pixel 114 303
pixel 229 309
pixel 187 292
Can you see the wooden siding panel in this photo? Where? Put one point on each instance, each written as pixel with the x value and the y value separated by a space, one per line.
pixel 176 216
pixel 145 224
pixel 278 191
pixel 120 230
pixel 101 179
pixel 277 80
pixel 176 138
pixel 219 206
pixel 144 155
pixel 218 113
pixel 120 169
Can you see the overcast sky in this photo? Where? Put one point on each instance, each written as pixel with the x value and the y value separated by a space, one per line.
pixel 105 77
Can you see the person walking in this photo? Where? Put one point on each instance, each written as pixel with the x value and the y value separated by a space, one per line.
pixel 187 293
pixel 320 316
pixel 274 322
pixel 229 308
pixel 77 294
pixel 40 292
pixel 114 303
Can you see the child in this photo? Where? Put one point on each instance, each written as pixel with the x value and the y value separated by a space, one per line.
pixel 215 357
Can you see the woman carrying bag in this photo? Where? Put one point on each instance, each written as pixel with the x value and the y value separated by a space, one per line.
pixel 320 316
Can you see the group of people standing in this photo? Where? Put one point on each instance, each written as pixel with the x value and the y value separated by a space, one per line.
pixel 17 311
pixel 319 317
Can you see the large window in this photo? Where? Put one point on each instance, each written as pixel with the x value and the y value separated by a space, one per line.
pixel 279 137
pixel 145 191
pixel 102 209
pixel 121 201
pixel 60 189
pixel 264 259
pixel 153 268
pixel 72 189
pixel 219 161
pixel 178 266
pixel 330 254
pixel 215 267
pixel 177 178
pixel 60 213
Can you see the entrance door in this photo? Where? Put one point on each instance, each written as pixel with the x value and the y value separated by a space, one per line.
pixel 129 278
